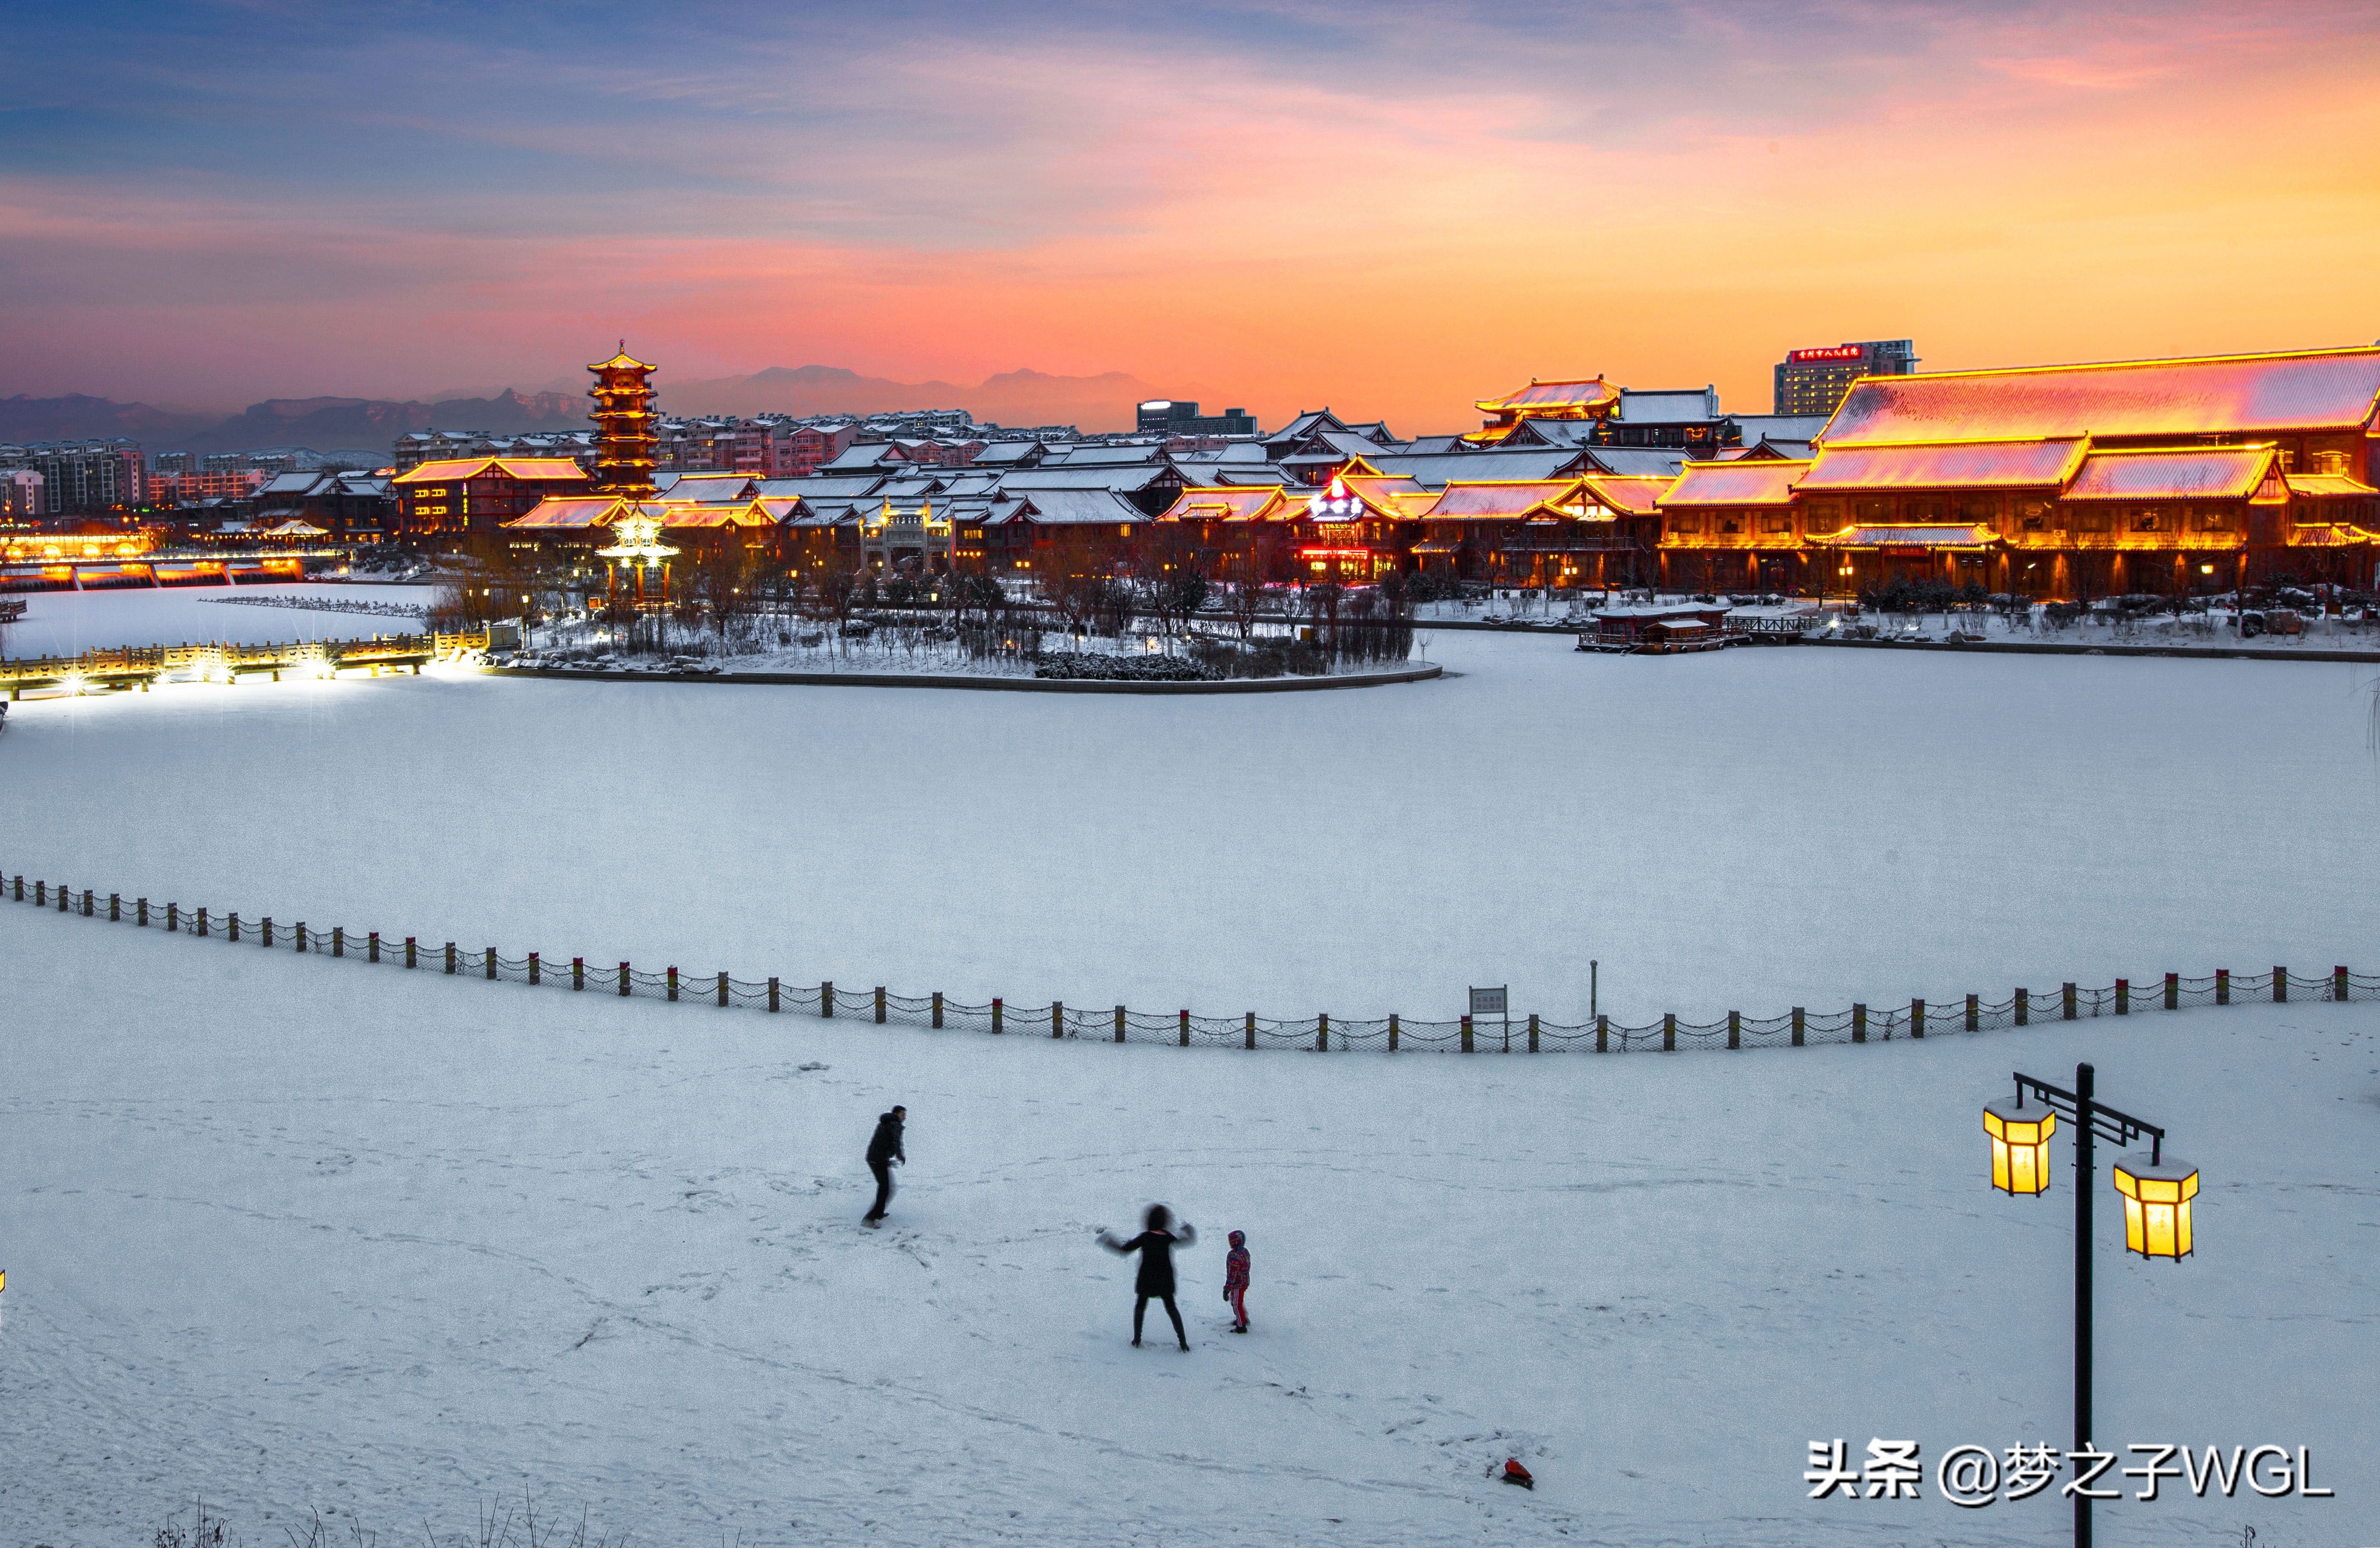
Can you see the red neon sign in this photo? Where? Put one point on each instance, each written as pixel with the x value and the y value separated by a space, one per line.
pixel 1839 352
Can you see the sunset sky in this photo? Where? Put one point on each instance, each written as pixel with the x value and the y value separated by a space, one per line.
pixel 1392 208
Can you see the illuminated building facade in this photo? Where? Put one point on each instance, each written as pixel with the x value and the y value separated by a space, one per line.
pixel 479 494
pixel 2159 476
pixel 1815 380
pixel 1551 402
pixel 626 429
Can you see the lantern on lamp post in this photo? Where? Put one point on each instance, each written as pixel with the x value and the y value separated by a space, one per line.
pixel 2157 1202
pixel 2020 1144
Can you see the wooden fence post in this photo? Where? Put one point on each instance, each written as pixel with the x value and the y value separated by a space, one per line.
pixel 826 1001
pixel 298 937
pixel 1252 1031
pixel 773 995
pixel 1668 1032
pixel 2123 997
pixel 491 955
pixel 172 917
pixel 624 981
pixel 577 973
pixel 880 1005
pixel 672 985
pixel 86 902
pixel 412 956
pixel 1859 1022
pixel 2066 994
pixel 338 940
pixel 2280 985
pixel 1533 1031
pixel 114 911
pixel 1917 1017
pixel 1392 1032
pixel 1186 1029
pixel 2024 1007
pixel 2340 989
pixel 937 1010
pixel 535 968
pixel 1056 1018
pixel 202 923
pixel 141 913
pixel 450 955
pixel 2173 991
pixel 1322 1032
pixel 2222 985
pixel 1797 1026
pixel 995 1015
pixel 231 931
pixel 1974 1013
pixel 722 991
pixel 1735 1029
pixel 264 932
pixel 1119 1023
pixel 1466 1034
pixel 1602 1034
pixel 374 946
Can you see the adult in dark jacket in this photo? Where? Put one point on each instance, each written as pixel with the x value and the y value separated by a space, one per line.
pixel 1155 1244
pixel 882 1151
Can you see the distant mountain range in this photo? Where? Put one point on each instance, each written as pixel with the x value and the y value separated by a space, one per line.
pixel 1023 398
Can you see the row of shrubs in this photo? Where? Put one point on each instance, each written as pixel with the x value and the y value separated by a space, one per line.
pixel 1124 668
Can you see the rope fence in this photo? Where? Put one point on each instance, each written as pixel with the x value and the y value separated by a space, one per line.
pixel 1323 1034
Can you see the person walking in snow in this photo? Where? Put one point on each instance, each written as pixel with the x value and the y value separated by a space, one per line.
pixel 1235 1280
pixel 1155 1244
pixel 882 1151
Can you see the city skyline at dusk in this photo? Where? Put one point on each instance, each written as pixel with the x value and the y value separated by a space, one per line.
pixel 1393 211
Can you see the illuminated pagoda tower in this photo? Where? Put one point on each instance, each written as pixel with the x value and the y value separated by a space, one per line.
pixel 624 425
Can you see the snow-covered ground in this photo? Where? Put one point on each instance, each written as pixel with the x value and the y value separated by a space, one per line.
pixel 69 623
pixel 1748 829
pixel 304 1235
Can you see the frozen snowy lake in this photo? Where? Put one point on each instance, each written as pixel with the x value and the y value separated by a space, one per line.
pixel 302 1235
pixel 69 623
pixel 1752 829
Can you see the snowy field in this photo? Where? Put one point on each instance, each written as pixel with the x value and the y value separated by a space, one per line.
pixel 1750 830
pixel 307 1236
pixel 69 623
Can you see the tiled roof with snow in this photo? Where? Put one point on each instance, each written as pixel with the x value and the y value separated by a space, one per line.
pixel 2240 394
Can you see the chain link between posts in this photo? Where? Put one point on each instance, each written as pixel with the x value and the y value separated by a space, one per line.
pixel 826 999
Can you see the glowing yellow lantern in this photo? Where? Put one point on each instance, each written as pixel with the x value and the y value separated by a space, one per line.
pixel 2020 1145
pixel 2156 1204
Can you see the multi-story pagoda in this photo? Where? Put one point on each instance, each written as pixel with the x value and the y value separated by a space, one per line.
pixel 624 425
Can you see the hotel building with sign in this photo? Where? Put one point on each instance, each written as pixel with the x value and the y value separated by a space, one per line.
pixel 1815 380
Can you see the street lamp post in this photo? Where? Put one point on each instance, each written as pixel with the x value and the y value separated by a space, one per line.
pixel 2157 1203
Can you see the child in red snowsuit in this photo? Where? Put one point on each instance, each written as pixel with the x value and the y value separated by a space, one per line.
pixel 1235 1280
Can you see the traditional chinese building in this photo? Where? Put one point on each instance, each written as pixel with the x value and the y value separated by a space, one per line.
pixel 479 494
pixel 626 429
pixel 2147 476
pixel 1577 399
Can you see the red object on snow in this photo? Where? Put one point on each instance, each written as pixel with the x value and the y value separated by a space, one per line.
pixel 1515 1473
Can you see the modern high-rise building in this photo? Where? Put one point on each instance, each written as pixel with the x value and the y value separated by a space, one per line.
pixel 80 476
pixel 1815 380
pixel 20 494
pixel 1180 417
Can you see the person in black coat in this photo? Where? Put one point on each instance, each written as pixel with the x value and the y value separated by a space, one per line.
pixel 1155 1246
pixel 882 1151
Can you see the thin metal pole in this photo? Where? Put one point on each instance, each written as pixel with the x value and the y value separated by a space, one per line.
pixel 1593 983
pixel 2084 1168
